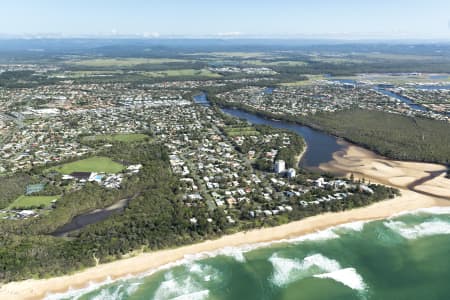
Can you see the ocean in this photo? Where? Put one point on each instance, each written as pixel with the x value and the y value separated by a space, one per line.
pixel 404 257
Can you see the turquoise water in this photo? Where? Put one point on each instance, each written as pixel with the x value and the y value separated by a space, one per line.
pixel 405 257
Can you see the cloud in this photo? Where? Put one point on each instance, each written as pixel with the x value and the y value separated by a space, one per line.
pixel 233 33
pixel 151 34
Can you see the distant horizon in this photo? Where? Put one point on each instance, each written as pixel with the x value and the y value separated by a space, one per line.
pixel 323 19
pixel 293 38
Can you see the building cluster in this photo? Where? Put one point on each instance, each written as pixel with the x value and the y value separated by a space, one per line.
pixel 435 99
pixel 46 125
pixel 328 97
pixel 214 173
pixel 34 137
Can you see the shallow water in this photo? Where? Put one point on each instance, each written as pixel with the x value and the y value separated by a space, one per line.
pixel 404 257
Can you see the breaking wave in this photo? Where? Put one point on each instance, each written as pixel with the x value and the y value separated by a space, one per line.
pixel 288 270
pixel 357 226
pixel 348 277
pixel 184 287
pixel 421 230
pixel 437 210
pixel 123 289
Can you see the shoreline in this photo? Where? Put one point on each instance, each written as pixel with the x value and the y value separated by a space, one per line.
pixel 299 157
pixel 353 159
pixel 145 262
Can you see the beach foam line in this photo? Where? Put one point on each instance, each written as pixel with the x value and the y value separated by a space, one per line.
pixel 424 229
pixel 357 226
pixel 238 252
pixel 76 293
pixel 436 210
pixel 235 252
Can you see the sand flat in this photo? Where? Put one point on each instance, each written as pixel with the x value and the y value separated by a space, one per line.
pixel 365 164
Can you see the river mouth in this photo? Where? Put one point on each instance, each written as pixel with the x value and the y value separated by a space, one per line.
pixel 323 152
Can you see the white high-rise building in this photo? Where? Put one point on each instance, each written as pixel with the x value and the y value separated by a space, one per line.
pixel 291 173
pixel 280 166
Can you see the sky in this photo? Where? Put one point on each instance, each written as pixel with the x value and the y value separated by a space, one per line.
pixel 421 19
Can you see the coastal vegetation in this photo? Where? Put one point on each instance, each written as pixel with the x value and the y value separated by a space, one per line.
pixel 11 187
pixel 394 136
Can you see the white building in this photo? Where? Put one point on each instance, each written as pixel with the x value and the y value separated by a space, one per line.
pixel 280 166
pixel 291 173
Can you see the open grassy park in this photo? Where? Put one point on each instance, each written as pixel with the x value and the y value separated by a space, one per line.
pixel 25 202
pixel 92 164
pixel 127 138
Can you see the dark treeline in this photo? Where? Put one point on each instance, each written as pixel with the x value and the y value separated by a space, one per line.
pixel 24 79
pixel 12 187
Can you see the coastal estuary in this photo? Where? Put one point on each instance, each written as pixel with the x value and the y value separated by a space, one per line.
pixel 401 257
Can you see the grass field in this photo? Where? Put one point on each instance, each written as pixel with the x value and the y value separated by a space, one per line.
pixel 124 62
pixel 231 54
pixel 241 131
pixel 24 202
pixel 92 164
pixel 312 79
pixel 287 63
pixel 128 138
pixel 182 72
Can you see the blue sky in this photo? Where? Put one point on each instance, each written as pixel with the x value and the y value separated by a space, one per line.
pixel 315 18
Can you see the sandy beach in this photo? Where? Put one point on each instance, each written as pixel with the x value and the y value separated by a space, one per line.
pixel 37 289
pixel 354 159
pixel 400 174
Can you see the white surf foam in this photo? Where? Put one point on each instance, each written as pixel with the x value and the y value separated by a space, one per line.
pixel 289 270
pixel 323 235
pixel 354 226
pixel 235 252
pixel 205 272
pixel 194 296
pixel 437 210
pixel 184 287
pixel 77 293
pixel 420 230
pixel 348 277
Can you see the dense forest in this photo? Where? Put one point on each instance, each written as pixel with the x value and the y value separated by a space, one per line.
pixel 391 135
